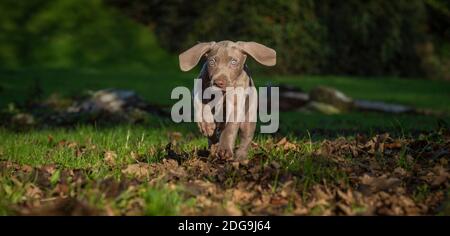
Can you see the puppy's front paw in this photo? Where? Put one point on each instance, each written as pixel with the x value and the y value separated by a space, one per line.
pixel 241 155
pixel 207 128
pixel 224 153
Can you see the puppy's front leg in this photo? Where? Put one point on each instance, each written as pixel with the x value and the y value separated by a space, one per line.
pixel 204 118
pixel 227 140
pixel 207 126
pixel 246 132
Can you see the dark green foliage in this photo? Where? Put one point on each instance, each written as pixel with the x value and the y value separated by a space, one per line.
pixel 439 29
pixel 291 27
pixel 439 18
pixel 64 33
pixel 324 36
pixel 374 37
pixel 403 37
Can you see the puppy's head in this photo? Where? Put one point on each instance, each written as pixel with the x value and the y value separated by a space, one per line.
pixel 225 60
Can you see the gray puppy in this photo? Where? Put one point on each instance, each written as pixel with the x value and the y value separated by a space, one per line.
pixel 225 67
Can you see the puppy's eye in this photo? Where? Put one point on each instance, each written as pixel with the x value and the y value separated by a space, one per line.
pixel 212 62
pixel 234 62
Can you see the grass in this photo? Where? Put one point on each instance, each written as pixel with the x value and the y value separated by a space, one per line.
pixel 155 85
pixel 42 147
pixel 59 147
pixel 163 201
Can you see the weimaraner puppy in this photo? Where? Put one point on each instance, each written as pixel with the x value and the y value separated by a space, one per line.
pixel 225 67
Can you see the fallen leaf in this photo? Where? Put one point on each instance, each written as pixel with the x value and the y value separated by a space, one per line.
pixel 175 137
pixel 50 169
pixel 400 171
pixel 441 176
pixel 50 139
pixel 285 144
pixel 110 157
pixel 240 195
pixel 62 190
pixel 347 197
pixel 278 201
pixel 232 209
pixel 275 165
pixel 375 184
pixel 395 145
pixel 33 192
pixel 62 207
pixel 26 168
pixel 139 170
pixel 346 209
pixel 135 156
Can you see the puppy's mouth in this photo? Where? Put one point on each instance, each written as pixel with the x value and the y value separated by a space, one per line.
pixel 217 88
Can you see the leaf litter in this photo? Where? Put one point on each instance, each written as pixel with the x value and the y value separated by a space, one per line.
pixel 378 175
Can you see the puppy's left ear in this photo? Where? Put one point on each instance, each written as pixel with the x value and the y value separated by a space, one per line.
pixel 262 54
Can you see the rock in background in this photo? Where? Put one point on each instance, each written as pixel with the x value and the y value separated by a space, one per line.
pixel 329 100
pixel 104 106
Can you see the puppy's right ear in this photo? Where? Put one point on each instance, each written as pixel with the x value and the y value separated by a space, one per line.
pixel 190 58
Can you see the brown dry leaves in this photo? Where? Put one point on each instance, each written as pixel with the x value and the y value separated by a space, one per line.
pixel 110 157
pixel 139 170
pixel 383 176
pixel 377 184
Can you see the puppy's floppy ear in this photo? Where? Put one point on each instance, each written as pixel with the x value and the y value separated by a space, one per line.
pixel 190 58
pixel 262 54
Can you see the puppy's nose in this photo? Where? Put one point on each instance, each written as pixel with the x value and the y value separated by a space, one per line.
pixel 220 83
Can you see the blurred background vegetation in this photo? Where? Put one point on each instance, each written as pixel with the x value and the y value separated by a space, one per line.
pixel 71 33
pixel 386 51
pixel 408 38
